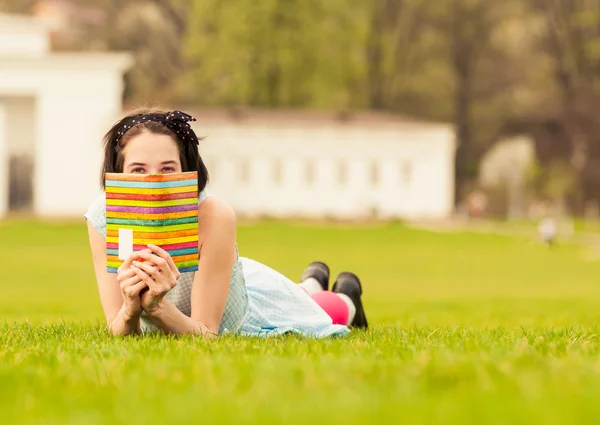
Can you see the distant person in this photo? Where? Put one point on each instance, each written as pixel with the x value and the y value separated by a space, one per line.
pixel 476 204
pixel 547 231
pixel 228 293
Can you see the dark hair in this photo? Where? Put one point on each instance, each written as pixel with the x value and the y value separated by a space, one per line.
pixel 113 145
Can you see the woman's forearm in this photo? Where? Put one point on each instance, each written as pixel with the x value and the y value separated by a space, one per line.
pixel 124 324
pixel 169 319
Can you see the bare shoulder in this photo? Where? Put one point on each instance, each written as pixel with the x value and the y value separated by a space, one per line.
pixel 215 208
pixel 215 214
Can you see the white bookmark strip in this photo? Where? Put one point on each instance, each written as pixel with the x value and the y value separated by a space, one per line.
pixel 125 243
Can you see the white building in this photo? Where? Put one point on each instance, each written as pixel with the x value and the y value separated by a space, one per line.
pixel 310 164
pixel 54 110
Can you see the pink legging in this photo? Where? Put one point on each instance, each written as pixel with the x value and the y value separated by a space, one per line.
pixel 333 305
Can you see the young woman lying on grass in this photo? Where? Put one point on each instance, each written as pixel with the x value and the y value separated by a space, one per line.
pixel 228 293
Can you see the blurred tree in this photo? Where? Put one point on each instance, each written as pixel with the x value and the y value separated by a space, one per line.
pixel 16 6
pixel 571 38
pixel 393 41
pixel 152 30
pixel 554 182
pixel 440 60
pixel 274 53
pixel 483 69
pixel 470 26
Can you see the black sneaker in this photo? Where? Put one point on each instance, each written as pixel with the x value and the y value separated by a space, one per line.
pixel 348 284
pixel 319 271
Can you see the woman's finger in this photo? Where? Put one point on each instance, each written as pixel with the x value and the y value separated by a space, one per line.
pixel 165 256
pixel 134 290
pixel 133 280
pixel 125 273
pixel 149 269
pixel 158 261
pixel 133 256
pixel 144 276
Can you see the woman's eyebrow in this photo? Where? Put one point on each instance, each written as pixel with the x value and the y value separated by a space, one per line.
pixel 136 163
pixel 168 162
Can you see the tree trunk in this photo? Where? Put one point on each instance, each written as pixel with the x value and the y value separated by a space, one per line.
pixel 274 77
pixel 463 99
pixel 462 52
pixel 375 55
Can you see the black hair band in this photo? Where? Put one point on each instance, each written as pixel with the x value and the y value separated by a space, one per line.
pixel 176 121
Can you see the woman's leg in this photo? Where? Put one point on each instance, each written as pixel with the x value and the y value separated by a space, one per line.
pixel 334 306
pixel 343 304
pixel 315 277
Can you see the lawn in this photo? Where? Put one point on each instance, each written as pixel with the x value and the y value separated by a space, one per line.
pixel 466 328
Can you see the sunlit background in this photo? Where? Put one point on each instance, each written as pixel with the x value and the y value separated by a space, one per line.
pixel 429 146
pixel 382 109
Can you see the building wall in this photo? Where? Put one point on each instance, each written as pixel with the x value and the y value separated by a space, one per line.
pixel 77 97
pixel 294 170
pixel 69 152
pixel 331 170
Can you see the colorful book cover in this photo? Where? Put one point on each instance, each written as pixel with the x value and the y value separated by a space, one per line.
pixel 159 209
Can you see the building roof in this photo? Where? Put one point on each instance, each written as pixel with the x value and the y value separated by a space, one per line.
pixel 300 118
pixel 70 60
pixel 13 23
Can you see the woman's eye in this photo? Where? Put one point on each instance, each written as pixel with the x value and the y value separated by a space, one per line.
pixel 137 170
pixel 168 170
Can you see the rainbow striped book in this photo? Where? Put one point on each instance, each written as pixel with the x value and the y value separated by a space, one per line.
pixel 160 209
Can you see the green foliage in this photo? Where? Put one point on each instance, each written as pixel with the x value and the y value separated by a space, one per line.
pixel 553 182
pixel 272 53
pixel 384 54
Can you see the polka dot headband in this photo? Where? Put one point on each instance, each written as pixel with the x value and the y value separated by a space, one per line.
pixel 176 121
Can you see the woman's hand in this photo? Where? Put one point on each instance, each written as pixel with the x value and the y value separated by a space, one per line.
pixel 159 272
pixel 131 286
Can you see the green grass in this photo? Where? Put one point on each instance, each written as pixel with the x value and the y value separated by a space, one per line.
pixel 466 328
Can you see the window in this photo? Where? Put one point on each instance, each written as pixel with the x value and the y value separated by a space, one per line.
pixel 310 171
pixel 374 173
pixel 244 170
pixel 342 173
pixel 405 173
pixel 277 171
